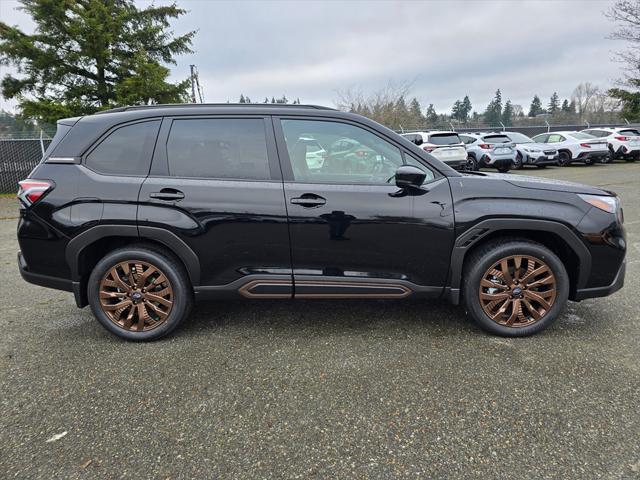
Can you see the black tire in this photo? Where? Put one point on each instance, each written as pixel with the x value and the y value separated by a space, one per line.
pixel 611 157
pixel 487 255
pixel 517 163
pixel 588 161
pixel 564 159
pixel 504 169
pixel 472 164
pixel 633 158
pixel 165 263
pixel 541 166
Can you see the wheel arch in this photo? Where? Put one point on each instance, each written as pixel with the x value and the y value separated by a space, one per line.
pixel 84 251
pixel 559 238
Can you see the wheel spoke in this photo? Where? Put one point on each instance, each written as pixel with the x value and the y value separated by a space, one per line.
pixel 535 273
pixel 104 294
pixel 536 314
pixel 157 310
pixel 515 312
pixel 544 281
pixel 116 306
pixel 537 298
pixel 504 266
pixel 494 296
pixel 155 298
pixel 142 279
pixel 489 284
pixel 116 278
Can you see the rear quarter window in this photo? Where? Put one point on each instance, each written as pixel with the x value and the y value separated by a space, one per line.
pixel 127 150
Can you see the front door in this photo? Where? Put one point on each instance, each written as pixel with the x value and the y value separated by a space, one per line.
pixel 353 232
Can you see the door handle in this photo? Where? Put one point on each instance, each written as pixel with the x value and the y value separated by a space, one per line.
pixel 167 194
pixel 309 200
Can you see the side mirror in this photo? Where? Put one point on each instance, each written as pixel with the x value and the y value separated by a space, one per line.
pixel 408 176
pixel 418 140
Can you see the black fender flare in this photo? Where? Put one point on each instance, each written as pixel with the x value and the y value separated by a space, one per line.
pixel 168 239
pixel 479 231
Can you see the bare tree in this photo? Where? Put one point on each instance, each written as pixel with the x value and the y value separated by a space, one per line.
pixel 583 96
pixel 626 15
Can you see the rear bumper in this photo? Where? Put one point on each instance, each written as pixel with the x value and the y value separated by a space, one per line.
pixel 617 284
pixel 457 164
pixel 591 155
pixel 51 282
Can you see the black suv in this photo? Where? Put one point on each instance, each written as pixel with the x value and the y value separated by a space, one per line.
pixel 140 210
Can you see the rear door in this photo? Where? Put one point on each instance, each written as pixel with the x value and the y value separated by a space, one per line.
pixel 215 183
pixel 353 233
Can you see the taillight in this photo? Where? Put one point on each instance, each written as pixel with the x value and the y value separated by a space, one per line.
pixel 622 139
pixel 31 191
pixel 428 149
pixel 585 145
pixel 485 146
pixel 361 153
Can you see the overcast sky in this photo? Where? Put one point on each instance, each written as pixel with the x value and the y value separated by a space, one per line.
pixel 446 49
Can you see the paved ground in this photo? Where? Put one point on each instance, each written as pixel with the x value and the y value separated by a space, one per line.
pixel 323 389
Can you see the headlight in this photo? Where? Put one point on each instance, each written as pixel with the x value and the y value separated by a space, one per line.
pixel 608 204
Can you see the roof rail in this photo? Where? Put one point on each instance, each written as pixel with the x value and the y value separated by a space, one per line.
pixel 196 105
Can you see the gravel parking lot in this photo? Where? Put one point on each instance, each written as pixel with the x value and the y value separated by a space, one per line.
pixel 323 389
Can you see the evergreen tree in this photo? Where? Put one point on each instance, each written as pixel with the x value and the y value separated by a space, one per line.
pixel 493 113
pixel 554 103
pixel 507 114
pixel 415 113
pixel 456 110
pixel 536 107
pixel 466 108
pixel 86 56
pixel 432 116
pixel 242 100
pixel 565 106
pixel 266 100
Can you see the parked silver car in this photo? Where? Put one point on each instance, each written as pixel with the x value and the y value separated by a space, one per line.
pixel 529 152
pixel 494 150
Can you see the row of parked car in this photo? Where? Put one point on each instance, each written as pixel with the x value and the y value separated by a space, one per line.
pixel 506 150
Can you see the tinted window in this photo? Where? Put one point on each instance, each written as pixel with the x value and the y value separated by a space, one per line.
pixel 542 138
pixel 350 154
pixel 467 140
pixel 497 139
pixel 218 148
pixel 61 132
pixel 126 151
pixel 581 135
pixel 630 132
pixel 444 139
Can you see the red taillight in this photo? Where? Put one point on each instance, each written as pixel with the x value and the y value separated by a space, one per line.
pixel 361 153
pixel 428 149
pixel 485 146
pixel 31 191
pixel 622 139
pixel 585 145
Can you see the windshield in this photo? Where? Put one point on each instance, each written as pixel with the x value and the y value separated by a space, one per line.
pixel 497 139
pixel 581 135
pixel 519 137
pixel 444 139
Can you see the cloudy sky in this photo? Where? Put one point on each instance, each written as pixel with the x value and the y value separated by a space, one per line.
pixel 445 49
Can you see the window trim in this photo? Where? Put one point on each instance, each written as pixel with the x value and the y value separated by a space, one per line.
pixel 285 160
pixel 148 148
pixel 160 163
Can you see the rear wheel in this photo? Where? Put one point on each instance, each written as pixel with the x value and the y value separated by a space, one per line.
pixel 515 287
pixel 517 163
pixel 472 164
pixel 564 159
pixel 139 293
pixel 633 157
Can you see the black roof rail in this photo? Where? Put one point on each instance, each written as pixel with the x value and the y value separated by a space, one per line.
pixel 196 105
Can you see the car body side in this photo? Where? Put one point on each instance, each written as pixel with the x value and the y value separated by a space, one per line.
pixel 88 214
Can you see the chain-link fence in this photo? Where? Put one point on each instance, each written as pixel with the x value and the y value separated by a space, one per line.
pixel 18 156
pixel 529 130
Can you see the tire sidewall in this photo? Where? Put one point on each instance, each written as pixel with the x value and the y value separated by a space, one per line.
pixel 475 273
pixel 181 292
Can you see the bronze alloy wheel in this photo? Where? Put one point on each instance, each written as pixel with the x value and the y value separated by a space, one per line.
pixel 517 291
pixel 136 295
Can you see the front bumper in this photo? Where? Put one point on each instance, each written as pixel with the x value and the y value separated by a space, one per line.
pixel 541 159
pixel 617 284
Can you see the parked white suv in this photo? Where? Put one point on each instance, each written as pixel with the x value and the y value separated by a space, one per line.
pixel 575 147
pixel 529 152
pixel 490 150
pixel 445 146
pixel 623 142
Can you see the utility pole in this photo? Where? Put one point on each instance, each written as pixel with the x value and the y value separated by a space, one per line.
pixel 195 86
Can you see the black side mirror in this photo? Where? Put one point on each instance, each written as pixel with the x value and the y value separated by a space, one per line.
pixel 408 176
pixel 418 140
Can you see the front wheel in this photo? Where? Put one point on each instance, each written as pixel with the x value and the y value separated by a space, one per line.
pixel 564 159
pixel 139 293
pixel 514 287
pixel 503 168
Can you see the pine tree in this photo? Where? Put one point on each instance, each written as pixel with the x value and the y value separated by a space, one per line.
pixel 536 107
pixel 554 103
pixel 86 56
pixel 565 106
pixel 507 114
pixel 456 110
pixel 432 116
pixel 493 113
pixel 415 113
pixel 242 100
pixel 466 108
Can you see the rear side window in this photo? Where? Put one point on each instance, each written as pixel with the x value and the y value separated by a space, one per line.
pixel 444 139
pixel 125 151
pixel 467 140
pixel 218 148
pixel 630 132
pixel 61 132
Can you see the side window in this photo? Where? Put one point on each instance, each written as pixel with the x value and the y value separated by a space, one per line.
pixel 554 138
pixel 349 154
pixel 126 151
pixel 218 148
pixel 467 140
pixel 542 138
